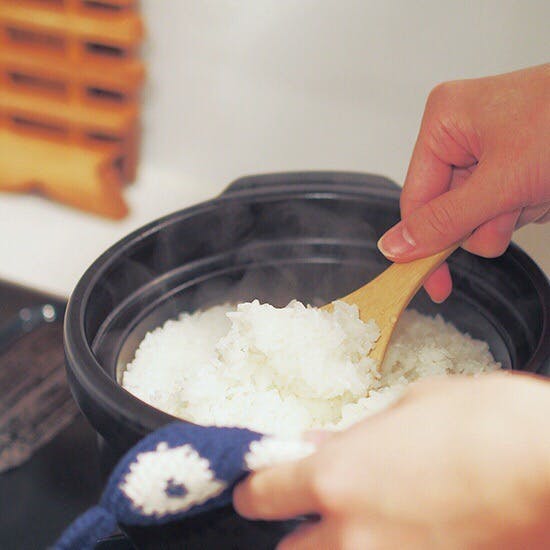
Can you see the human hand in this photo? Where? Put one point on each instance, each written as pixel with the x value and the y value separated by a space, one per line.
pixel 480 167
pixel 456 463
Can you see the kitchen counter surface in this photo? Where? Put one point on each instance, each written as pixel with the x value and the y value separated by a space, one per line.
pixel 48 246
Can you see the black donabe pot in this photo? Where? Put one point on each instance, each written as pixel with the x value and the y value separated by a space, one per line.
pixel 310 236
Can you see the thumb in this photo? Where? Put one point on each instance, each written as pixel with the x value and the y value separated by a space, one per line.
pixel 449 218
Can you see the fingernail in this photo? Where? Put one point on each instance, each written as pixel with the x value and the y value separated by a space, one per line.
pixel 396 242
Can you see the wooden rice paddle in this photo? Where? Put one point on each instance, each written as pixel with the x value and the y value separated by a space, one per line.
pixel 385 298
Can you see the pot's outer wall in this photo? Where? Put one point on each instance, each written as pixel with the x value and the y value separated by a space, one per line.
pixel 308 235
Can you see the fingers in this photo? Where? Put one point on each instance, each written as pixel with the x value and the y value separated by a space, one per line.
pixel 317 535
pixel 427 177
pixel 493 237
pixel 439 285
pixel 544 219
pixel 489 241
pixel 439 162
pixel 534 214
pixel 448 218
pixel 437 150
pixel 281 492
pixel 318 437
pixel 333 533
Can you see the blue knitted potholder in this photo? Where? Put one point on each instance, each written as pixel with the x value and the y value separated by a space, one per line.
pixel 176 472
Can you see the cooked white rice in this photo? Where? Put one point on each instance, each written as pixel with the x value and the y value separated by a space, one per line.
pixel 290 369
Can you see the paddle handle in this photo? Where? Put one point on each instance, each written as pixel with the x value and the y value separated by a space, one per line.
pixel 410 276
pixel 385 298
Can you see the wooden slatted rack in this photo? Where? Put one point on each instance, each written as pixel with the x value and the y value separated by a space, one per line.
pixel 70 81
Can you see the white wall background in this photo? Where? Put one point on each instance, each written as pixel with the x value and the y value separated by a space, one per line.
pixel 256 85
pixel 238 87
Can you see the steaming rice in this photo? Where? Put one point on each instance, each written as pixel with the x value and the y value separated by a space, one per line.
pixel 291 369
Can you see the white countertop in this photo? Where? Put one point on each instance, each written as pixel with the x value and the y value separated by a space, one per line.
pixel 48 246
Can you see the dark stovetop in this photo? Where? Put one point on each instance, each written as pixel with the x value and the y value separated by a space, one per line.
pixel 61 479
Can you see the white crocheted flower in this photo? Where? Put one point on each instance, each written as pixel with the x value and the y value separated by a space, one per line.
pixel 169 480
pixel 271 450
